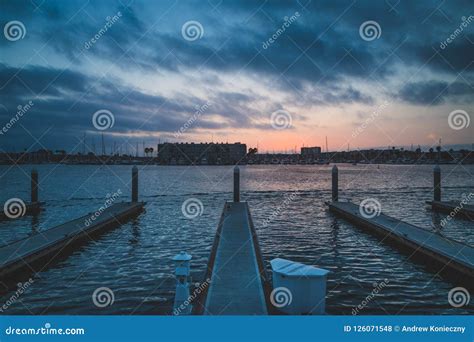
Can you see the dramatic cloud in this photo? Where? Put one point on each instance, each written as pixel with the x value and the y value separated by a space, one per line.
pixel 253 58
pixel 435 92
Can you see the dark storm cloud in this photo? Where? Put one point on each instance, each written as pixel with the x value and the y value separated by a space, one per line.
pixel 37 80
pixel 435 92
pixel 327 33
pixel 65 101
pixel 310 61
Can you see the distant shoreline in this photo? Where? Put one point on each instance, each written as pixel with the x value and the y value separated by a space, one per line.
pixel 240 164
pixel 225 155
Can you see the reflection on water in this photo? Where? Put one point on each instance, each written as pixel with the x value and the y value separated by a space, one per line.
pixel 134 260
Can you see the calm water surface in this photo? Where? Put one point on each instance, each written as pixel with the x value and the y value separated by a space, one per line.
pixel 134 260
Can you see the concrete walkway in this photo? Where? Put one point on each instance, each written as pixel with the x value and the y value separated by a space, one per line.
pixel 236 285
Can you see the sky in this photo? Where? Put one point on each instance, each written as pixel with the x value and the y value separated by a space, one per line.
pixel 276 75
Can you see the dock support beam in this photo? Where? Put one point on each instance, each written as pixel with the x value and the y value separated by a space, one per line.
pixel 135 184
pixel 437 183
pixel 34 186
pixel 335 184
pixel 236 184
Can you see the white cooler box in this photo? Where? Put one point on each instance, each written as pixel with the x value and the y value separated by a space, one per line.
pixel 298 289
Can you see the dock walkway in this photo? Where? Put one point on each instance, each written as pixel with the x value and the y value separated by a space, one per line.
pixel 464 210
pixel 49 243
pixel 450 254
pixel 237 270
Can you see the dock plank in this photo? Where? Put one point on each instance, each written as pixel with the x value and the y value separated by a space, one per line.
pixel 236 285
pixel 454 255
pixel 21 253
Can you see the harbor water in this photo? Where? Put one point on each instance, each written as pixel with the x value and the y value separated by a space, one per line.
pixel 287 203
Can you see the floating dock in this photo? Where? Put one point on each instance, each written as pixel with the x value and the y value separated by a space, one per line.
pixel 463 210
pixel 448 254
pixel 37 251
pixel 238 281
pixel 455 209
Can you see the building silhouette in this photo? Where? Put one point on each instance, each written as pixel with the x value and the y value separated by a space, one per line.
pixel 201 153
pixel 311 151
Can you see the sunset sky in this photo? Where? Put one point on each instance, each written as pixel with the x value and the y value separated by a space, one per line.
pixel 212 71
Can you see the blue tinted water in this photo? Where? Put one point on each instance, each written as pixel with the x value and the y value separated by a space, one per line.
pixel 134 260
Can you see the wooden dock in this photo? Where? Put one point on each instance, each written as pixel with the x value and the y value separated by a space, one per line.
pixel 239 285
pixel 463 210
pixel 445 254
pixel 35 252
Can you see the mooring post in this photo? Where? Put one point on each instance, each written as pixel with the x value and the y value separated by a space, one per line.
pixel 134 184
pixel 236 184
pixel 335 184
pixel 437 183
pixel 34 186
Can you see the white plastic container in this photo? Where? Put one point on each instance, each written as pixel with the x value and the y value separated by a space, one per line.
pixel 298 289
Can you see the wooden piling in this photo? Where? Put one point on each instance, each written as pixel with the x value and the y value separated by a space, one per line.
pixel 134 184
pixel 437 183
pixel 34 186
pixel 335 184
pixel 236 184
